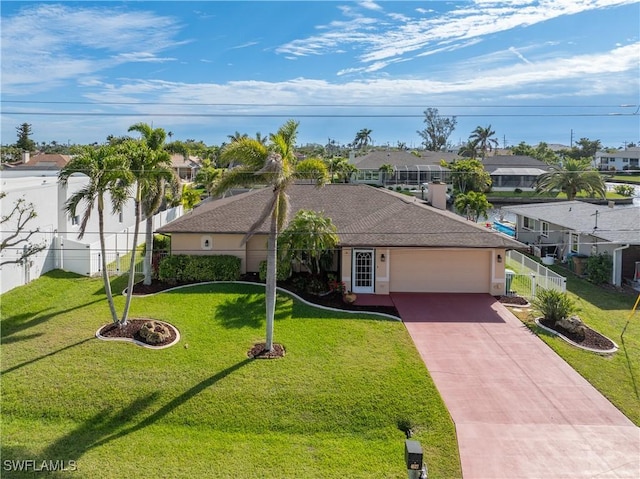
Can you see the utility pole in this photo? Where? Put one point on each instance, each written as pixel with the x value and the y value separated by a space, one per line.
pixel 571 141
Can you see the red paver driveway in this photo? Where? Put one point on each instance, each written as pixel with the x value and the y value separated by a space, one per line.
pixel 520 411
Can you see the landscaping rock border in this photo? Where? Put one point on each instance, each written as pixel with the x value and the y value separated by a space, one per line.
pixel 573 343
pixel 137 342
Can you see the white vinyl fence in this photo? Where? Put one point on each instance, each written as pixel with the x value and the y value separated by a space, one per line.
pixel 527 275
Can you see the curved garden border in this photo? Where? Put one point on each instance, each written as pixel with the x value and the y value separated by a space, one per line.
pixel 584 348
pixel 283 290
pixel 140 343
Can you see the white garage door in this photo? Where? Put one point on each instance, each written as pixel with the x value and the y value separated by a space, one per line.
pixel 440 271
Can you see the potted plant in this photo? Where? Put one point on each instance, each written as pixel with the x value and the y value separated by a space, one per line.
pixel 349 297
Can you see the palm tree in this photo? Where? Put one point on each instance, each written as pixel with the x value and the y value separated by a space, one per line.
pixel 237 136
pixel 363 138
pixel 274 165
pixel 309 238
pixel 468 150
pixel 107 173
pixel 153 182
pixel 473 204
pixel 571 178
pixel 483 139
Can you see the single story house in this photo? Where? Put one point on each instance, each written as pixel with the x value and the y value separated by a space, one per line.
pixel 389 242
pixel 509 172
pixel 409 167
pixel 570 228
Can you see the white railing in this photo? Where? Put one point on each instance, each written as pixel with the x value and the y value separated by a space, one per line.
pixel 531 275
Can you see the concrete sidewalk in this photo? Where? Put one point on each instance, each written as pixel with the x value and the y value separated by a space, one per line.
pixel 520 411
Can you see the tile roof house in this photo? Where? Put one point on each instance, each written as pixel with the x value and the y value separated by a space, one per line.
pixel 388 242
pixel 185 166
pixel 41 162
pixel 572 228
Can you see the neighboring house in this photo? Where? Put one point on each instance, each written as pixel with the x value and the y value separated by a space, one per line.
pixel 40 161
pixel 621 160
pixel 59 232
pixel 509 172
pixel 388 242
pixel 411 168
pixel 571 228
pixel 186 167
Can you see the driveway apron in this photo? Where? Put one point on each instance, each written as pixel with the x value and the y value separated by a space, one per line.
pixel 519 409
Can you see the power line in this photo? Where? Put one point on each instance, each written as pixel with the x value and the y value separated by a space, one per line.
pixel 316 115
pixel 304 105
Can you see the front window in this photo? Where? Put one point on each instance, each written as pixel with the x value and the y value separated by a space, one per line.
pixel 574 243
pixel 544 229
pixel 528 223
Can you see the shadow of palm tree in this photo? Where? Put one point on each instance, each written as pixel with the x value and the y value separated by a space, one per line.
pixel 20 322
pixel 44 356
pixel 248 311
pixel 109 425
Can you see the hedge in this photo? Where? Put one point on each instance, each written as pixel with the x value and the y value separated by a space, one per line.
pixel 282 273
pixel 182 268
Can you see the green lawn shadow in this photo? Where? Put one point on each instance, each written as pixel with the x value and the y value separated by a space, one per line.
pixel 109 425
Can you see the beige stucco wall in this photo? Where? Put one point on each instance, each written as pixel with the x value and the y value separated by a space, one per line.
pixel 191 243
pixel 256 252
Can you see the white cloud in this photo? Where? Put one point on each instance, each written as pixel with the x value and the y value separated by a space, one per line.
pixel 393 35
pixel 46 44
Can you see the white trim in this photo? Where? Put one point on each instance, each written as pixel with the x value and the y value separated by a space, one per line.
pixel 363 289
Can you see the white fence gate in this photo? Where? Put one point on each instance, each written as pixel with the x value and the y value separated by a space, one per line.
pixel 527 275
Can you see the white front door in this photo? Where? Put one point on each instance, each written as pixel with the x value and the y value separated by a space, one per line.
pixel 362 271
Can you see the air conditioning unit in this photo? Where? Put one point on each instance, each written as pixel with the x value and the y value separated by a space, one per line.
pixel 537 252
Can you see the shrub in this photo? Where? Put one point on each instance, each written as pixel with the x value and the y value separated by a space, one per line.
pixel 283 272
pixel 553 304
pixel 160 243
pixel 193 268
pixel 624 190
pixel 517 191
pixel 599 268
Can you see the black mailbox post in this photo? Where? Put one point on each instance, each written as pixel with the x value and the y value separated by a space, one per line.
pixel 414 459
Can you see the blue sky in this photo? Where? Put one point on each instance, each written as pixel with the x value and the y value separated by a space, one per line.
pixel 533 70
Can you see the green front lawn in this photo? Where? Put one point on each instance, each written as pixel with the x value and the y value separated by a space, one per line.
pixel 330 409
pixel 617 376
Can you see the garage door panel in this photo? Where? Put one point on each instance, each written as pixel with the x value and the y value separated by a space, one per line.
pixel 440 271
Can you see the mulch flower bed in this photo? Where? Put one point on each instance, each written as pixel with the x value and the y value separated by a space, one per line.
pixel 132 331
pixel 592 339
pixel 513 300
pixel 258 351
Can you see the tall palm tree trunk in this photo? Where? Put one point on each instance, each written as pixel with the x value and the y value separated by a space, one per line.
pixel 132 267
pixel 270 286
pixel 103 253
pixel 148 253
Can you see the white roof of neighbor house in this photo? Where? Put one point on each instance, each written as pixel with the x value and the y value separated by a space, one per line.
pixel 617 224
pixel 518 172
pixel 25 183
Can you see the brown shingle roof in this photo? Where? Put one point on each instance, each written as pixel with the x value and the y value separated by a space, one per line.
pixel 363 215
